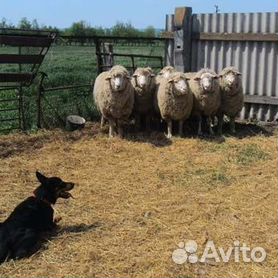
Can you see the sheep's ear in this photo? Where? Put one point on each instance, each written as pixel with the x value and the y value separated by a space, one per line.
pixel 215 76
pixel 152 75
pixel 108 77
pixel 41 178
pixel 238 73
pixel 197 78
pixel 171 80
pixel 135 75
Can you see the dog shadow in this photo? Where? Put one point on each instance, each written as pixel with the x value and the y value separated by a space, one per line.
pixel 79 228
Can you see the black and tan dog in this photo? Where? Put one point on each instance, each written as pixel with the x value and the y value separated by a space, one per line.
pixel 22 232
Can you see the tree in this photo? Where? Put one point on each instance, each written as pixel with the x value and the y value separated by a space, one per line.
pixel 35 25
pixel 79 28
pixel 3 23
pixel 150 31
pixel 24 23
pixel 124 30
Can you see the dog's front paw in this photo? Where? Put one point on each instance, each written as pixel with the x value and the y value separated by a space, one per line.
pixel 57 219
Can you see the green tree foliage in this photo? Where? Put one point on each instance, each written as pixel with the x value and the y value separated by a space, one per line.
pixel 125 30
pixel 25 24
pixel 4 23
pixel 82 28
pixel 149 32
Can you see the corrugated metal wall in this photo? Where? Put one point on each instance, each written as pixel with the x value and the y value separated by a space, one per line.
pixel 258 61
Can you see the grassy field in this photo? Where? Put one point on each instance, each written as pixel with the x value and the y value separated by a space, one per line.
pixel 137 199
pixel 66 65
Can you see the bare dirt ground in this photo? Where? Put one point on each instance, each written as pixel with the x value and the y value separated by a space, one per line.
pixel 137 199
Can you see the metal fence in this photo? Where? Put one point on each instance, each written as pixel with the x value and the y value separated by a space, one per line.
pixel 248 41
pixel 71 64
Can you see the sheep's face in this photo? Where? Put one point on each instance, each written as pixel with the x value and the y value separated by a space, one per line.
pixel 143 80
pixel 180 86
pixel 230 79
pixel 166 72
pixel 118 82
pixel 207 81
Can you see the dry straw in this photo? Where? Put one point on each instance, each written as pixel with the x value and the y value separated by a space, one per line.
pixel 136 199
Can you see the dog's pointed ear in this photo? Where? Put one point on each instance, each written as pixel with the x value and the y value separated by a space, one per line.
pixel 41 178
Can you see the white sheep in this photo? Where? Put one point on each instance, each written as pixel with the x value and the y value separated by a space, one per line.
pixel 205 88
pixel 114 97
pixel 231 96
pixel 144 85
pixel 175 100
pixel 165 73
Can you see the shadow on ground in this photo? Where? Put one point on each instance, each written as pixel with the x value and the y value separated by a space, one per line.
pixel 17 143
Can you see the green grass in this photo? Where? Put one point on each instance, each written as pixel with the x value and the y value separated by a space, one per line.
pixel 250 154
pixel 64 66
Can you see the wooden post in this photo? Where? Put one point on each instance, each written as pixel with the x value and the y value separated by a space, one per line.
pixel 133 64
pixel 169 46
pixel 108 60
pixel 182 39
pixel 98 54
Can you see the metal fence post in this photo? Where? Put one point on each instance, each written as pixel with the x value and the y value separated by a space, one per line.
pixel 21 100
pixel 39 99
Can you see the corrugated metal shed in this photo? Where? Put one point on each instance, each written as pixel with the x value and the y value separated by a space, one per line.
pixel 258 61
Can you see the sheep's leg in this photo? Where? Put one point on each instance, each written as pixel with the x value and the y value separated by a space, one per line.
pixel 232 125
pixel 102 122
pixel 169 129
pixel 211 132
pixel 181 128
pixel 120 129
pixel 157 123
pixel 148 123
pixel 137 122
pixel 111 128
pixel 200 133
pixel 220 124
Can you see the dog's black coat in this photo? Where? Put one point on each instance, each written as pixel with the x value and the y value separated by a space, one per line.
pixel 21 233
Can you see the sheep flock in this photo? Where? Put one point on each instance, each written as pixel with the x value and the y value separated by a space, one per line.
pixel 170 96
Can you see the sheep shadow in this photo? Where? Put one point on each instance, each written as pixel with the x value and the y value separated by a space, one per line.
pixel 155 138
pixel 243 129
pixel 249 129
